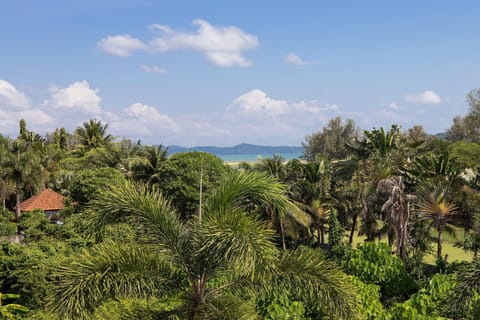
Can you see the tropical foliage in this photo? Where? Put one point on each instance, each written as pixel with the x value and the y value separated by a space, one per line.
pixel 363 227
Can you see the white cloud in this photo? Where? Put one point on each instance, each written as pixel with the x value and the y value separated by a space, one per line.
pixel 11 98
pixel 143 120
pixel 76 97
pixel 257 101
pixel 427 97
pixel 293 58
pixel 15 105
pixel 393 106
pixel 153 69
pixel 223 46
pixel 121 45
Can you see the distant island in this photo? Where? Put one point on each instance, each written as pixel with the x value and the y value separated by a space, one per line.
pixel 243 148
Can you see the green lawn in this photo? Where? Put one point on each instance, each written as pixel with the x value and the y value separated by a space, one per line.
pixel 454 253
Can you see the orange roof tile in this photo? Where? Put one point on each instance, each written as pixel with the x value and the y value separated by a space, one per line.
pixel 47 200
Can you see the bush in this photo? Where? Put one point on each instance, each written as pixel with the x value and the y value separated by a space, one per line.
pixel 86 184
pixel 427 303
pixel 375 264
pixel 7 227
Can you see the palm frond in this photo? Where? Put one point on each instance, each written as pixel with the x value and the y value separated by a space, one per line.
pixel 237 242
pixel 110 270
pixel 137 203
pixel 247 189
pixel 467 287
pixel 312 278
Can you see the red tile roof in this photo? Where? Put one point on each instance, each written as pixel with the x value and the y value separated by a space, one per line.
pixel 47 200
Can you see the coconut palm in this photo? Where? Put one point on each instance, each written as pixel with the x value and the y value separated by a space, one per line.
pixel 93 134
pixel 291 221
pixel 208 269
pixel 24 169
pixel 146 167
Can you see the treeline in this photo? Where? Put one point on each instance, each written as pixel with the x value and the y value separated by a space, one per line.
pixel 146 236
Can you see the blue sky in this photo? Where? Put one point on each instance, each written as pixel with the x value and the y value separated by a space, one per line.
pixel 226 72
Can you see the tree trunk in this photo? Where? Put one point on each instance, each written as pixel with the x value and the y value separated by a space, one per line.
pixel 322 234
pixel 352 230
pixel 439 244
pixel 390 237
pixel 282 234
pixel 17 200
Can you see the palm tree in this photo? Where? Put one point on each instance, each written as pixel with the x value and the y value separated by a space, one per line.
pixel 147 166
pixel 93 134
pixel 6 184
pixel 208 269
pixel 465 292
pixel 397 209
pixel 316 196
pixel 437 207
pixel 286 222
pixel 24 169
pixel 273 166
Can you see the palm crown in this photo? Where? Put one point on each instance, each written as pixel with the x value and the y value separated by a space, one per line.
pixel 210 267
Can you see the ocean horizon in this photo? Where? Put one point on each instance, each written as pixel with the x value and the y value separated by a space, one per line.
pixel 253 157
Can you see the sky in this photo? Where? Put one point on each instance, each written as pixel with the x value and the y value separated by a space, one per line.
pixel 225 72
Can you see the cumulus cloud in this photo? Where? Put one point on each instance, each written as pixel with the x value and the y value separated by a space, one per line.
pixel 427 97
pixel 78 96
pixel 294 59
pixel 223 46
pixel 153 69
pixel 143 120
pixel 393 106
pixel 257 102
pixel 11 98
pixel 121 45
pixel 15 105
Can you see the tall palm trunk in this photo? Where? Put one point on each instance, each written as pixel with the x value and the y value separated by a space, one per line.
pixel 352 230
pixel 282 234
pixel 17 200
pixel 439 242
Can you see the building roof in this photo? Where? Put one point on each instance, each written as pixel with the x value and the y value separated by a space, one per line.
pixel 47 200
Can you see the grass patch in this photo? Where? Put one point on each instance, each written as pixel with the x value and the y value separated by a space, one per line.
pixel 454 253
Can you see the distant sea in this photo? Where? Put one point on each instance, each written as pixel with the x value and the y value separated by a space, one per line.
pixel 252 157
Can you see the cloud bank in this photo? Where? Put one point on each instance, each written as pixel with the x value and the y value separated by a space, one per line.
pixel 222 46
pixel 427 97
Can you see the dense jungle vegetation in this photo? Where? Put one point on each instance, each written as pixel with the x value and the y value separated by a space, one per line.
pixel 365 226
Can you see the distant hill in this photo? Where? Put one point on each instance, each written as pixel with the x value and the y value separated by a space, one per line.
pixel 442 135
pixel 243 148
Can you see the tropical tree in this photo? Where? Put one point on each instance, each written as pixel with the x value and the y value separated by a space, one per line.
pixel 465 297
pixel 293 220
pixel 207 268
pixel 397 209
pixel 467 128
pixel 437 207
pixel 188 177
pixel 147 166
pixel 93 134
pixel 316 195
pixel 24 167
pixel 332 140
pixel 273 166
